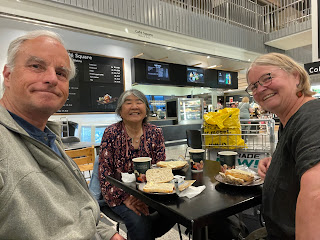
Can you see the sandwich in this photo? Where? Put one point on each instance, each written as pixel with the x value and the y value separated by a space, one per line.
pixel 159 175
pixel 231 179
pixel 246 176
pixel 238 177
pixel 152 187
pixel 172 164
pixel 185 184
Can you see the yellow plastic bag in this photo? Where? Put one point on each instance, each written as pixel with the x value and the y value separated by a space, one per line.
pixel 224 129
pixel 225 118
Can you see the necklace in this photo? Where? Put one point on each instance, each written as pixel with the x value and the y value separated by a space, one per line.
pixel 135 138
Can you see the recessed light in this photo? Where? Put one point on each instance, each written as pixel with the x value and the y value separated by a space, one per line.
pixel 213 66
pixel 208 56
pixel 126 30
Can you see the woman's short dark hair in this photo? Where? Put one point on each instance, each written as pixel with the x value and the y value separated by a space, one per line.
pixel 139 95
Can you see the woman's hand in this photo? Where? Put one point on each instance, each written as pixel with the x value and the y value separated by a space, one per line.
pixel 263 166
pixel 136 205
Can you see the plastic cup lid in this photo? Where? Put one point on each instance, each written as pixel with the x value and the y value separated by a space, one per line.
pixel 227 153
pixel 196 150
pixel 142 159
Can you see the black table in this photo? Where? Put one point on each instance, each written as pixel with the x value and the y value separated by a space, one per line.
pixel 216 202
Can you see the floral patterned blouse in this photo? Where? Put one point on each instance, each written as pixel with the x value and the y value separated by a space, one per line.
pixel 117 152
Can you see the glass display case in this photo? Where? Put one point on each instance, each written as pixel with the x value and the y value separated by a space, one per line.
pixel 185 110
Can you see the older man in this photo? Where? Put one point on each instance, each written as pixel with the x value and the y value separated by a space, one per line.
pixel 42 192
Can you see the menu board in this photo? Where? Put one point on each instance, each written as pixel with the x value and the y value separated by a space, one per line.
pixel 157 71
pixel 224 78
pixel 195 75
pixel 97 84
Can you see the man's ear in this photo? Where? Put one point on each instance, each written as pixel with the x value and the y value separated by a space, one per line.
pixel 6 75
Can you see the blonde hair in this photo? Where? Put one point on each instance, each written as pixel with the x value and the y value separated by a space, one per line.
pixel 287 64
pixel 245 99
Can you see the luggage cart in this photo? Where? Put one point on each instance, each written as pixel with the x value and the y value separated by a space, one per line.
pixel 259 142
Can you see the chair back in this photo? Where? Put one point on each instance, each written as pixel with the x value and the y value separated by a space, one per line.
pixel 83 157
pixel 70 139
pixel 194 139
pixel 94 187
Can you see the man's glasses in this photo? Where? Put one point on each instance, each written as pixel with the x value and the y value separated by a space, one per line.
pixel 264 80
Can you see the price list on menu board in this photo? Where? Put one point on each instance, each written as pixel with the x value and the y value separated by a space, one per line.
pixel 97 84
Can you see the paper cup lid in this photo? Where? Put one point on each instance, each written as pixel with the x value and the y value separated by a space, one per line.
pixel 141 159
pixel 196 150
pixel 227 153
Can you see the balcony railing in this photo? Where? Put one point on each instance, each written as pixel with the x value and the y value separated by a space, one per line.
pixel 232 22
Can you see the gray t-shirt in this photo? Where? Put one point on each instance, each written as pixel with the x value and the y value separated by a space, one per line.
pixel 297 151
pixel 244 110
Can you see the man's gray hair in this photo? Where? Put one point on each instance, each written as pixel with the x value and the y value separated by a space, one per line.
pixel 16 44
pixel 139 95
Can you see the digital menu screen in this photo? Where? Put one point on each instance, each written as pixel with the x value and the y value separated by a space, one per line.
pixel 195 75
pixel 157 71
pixel 224 78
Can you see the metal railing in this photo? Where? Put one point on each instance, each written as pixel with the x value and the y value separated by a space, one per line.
pixel 170 14
pixel 240 23
pixel 258 135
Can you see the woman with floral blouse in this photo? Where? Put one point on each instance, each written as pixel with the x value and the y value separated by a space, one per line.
pixel 121 142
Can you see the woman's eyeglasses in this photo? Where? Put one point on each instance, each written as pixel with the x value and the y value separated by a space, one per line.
pixel 264 80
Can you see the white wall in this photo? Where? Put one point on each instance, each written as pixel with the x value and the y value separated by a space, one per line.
pixel 315 43
pixel 10 29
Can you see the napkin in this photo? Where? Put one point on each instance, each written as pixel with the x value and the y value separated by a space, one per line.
pixel 128 177
pixel 191 191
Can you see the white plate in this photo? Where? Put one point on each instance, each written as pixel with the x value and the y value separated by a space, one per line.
pixel 256 182
pixel 141 185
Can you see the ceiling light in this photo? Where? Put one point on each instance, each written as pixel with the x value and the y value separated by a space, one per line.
pixel 208 56
pixel 138 55
pixel 213 66
pixel 161 59
pixel 126 29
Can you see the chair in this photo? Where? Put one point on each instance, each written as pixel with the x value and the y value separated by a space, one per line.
pixel 70 139
pixel 64 127
pixel 194 140
pixel 84 158
pixel 94 187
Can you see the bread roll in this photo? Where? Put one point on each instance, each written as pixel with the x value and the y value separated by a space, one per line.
pixel 158 187
pixel 159 175
pixel 246 176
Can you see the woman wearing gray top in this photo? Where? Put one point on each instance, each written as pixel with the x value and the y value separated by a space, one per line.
pixel 291 196
pixel 245 111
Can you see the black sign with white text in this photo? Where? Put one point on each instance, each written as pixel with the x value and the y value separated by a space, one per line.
pixel 312 68
pixel 97 85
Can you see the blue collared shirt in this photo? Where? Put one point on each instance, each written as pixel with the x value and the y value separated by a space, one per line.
pixel 47 137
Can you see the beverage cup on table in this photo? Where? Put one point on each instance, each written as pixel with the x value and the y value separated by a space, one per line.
pixel 140 166
pixel 196 159
pixel 227 160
